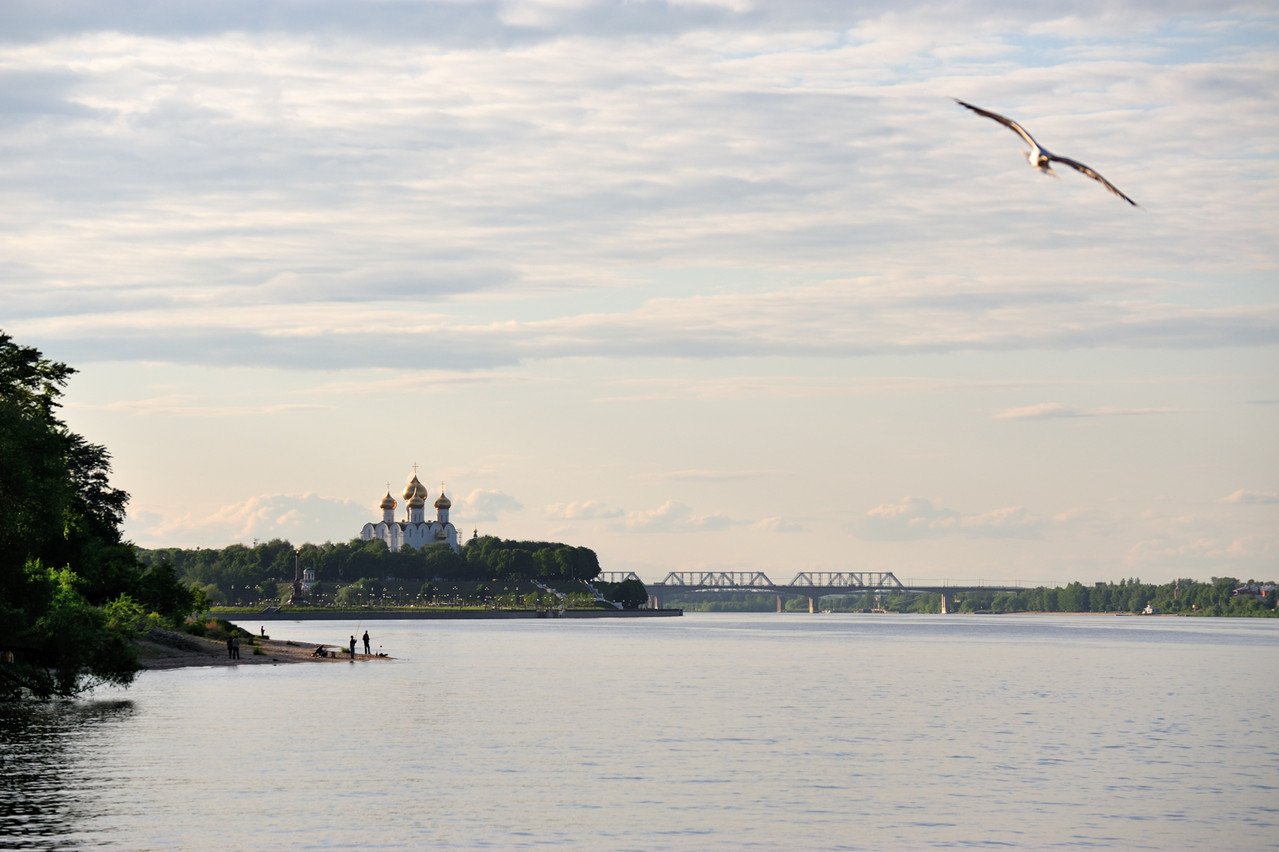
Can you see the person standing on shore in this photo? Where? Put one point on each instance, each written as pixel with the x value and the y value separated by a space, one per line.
pixel 230 647
pixel 353 646
pixel 366 643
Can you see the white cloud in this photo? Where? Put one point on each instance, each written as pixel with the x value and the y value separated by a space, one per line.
pixel 244 203
pixel 778 525
pixel 913 518
pixel 1204 555
pixel 1057 410
pixel 1252 497
pixel 1039 411
pixel 674 517
pixel 909 518
pixel 299 518
pixel 852 318
pixel 484 505
pixel 707 475
pixel 582 510
pixel 190 405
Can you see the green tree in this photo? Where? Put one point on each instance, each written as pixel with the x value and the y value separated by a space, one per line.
pixel 70 588
pixel 630 593
pixel 160 591
pixel 1073 598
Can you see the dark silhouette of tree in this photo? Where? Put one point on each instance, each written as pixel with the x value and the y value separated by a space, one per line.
pixel 62 558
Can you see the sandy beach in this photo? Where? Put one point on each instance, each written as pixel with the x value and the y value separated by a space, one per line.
pixel 167 649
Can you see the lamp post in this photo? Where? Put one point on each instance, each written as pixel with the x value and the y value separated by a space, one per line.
pixel 296 597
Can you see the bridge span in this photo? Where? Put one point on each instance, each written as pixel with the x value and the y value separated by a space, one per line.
pixel 811 584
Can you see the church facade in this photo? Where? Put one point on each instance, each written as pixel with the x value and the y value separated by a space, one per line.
pixel 416 530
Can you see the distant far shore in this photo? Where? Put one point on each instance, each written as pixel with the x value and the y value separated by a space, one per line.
pixel 288 614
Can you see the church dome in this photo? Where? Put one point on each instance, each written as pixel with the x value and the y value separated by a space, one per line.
pixel 443 502
pixel 388 502
pixel 415 490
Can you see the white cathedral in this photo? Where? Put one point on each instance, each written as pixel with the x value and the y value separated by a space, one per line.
pixel 415 530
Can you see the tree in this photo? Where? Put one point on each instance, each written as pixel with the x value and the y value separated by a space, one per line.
pixel 160 591
pixel 1073 598
pixel 84 649
pixel 70 588
pixel 441 562
pixel 630 593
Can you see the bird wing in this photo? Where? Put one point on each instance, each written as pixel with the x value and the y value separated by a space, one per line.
pixel 1086 170
pixel 1004 120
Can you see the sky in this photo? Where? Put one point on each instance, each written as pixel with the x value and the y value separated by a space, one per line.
pixel 703 286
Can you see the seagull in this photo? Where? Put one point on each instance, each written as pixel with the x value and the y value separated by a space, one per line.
pixel 1041 158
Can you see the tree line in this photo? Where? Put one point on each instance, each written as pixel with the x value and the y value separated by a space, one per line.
pixel 1223 596
pixel 72 593
pixel 264 571
pixel 1218 596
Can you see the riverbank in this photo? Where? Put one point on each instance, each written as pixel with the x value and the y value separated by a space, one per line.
pixel 168 649
pixel 290 614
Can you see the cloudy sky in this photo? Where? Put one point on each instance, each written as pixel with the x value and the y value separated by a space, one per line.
pixel 701 285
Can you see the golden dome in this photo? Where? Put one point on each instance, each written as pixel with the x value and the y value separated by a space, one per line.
pixel 388 502
pixel 415 490
pixel 443 502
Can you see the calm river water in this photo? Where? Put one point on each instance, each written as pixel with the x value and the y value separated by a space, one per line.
pixel 703 732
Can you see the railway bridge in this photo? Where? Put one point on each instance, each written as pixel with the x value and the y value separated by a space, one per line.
pixel 811 584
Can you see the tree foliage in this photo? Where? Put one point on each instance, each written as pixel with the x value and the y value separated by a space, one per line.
pixel 630 593
pixel 63 563
pixel 1218 596
pixel 249 574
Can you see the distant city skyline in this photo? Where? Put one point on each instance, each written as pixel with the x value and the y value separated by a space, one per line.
pixel 699 285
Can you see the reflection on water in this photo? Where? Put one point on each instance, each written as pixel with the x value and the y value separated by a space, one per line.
pixel 709 731
pixel 51 775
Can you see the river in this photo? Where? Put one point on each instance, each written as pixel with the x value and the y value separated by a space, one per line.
pixel 710 731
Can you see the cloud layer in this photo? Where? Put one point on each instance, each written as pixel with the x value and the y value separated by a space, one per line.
pixel 246 186
pixel 737 272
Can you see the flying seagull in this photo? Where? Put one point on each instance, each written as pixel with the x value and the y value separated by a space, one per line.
pixel 1041 158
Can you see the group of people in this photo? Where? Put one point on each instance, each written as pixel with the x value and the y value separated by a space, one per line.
pixel 366 645
pixel 322 651
pixel 233 647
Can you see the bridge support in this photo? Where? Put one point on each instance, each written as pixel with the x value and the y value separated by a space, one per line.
pixel 812 604
pixel 779 603
pixel 947 603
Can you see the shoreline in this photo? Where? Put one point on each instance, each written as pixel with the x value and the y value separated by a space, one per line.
pixel 285 614
pixel 161 650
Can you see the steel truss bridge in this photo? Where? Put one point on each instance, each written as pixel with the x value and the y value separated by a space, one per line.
pixel 810 584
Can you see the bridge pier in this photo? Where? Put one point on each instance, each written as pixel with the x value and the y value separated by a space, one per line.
pixel 779 603
pixel 947 603
pixel 812 604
